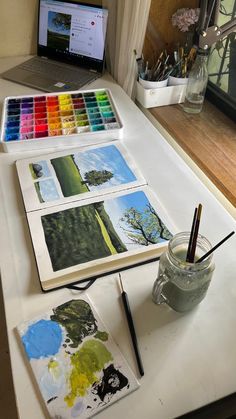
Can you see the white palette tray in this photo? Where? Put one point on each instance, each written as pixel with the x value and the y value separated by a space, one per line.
pixel 81 117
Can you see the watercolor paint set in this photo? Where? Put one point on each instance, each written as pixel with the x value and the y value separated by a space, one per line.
pixel 67 118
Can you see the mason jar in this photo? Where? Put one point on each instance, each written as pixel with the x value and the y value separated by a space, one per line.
pixel 180 284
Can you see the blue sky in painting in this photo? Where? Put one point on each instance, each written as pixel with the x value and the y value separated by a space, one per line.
pixel 115 208
pixel 48 190
pixel 105 158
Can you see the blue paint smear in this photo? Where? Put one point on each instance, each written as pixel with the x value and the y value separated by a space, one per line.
pixel 77 409
pixel 42 339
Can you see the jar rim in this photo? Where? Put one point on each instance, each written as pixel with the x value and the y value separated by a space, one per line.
pixel 200 239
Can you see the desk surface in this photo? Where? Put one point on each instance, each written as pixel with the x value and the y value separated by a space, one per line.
pixel 189 360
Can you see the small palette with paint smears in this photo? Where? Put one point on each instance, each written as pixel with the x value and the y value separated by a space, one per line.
pixel 49 120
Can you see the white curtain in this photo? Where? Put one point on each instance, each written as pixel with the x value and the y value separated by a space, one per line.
pixel 127 22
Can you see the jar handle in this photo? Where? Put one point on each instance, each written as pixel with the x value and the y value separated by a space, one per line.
pixel 157 294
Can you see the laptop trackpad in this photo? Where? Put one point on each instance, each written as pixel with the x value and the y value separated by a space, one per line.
pixel 37 80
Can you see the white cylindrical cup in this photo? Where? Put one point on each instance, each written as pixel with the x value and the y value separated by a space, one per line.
pixel 176 81
pixel 147 84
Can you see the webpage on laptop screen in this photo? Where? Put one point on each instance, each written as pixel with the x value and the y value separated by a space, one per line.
pixel 73 28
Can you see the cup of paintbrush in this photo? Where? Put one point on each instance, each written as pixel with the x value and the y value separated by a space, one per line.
pixel 186 268
pixel 180 284
pixel 178 75
pixel 156 75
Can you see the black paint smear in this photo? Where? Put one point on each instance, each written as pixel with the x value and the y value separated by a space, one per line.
pixel 113 380
pixel 52 398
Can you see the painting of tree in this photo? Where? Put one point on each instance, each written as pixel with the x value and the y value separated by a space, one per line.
pixel 144 227
pixel 62 20
pixel 97 177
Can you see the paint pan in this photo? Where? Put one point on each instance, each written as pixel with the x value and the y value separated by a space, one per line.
pixel 51 118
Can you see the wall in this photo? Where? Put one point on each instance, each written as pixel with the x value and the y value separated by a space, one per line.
pixel 18 26
pixel 18 23
pixel 160 32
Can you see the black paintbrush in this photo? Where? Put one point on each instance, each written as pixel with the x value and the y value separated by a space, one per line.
pixel 214 248
pixel 194 234
pixel 131 327
pixel 191 236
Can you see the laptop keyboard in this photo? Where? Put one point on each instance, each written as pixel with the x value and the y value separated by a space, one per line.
pixel 57 72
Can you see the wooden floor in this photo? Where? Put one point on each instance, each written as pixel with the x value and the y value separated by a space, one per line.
pixel 209 138
pixel 222 409
pixel 7 398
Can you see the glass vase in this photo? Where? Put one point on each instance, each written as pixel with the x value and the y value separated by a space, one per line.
pixel 197 83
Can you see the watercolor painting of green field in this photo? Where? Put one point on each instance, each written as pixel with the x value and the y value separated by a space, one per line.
pixel 84 171
pixel 58 34
pixel 105 228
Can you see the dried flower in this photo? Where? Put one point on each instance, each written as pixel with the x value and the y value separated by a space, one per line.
pixel 184 18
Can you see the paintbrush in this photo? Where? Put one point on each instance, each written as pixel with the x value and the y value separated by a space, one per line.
pixel 131 327
pixel 214 248
pixel 194 234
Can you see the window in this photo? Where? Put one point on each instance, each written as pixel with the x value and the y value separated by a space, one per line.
pixel 222 64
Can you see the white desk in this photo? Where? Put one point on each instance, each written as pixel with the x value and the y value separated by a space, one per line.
pixel 189 360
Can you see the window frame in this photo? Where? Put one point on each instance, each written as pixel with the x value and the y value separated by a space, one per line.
pixel 224 101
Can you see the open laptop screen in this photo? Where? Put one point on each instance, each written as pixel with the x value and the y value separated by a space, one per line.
pixel 72 32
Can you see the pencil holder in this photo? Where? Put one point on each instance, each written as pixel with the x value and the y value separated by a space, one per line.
pixel 180 284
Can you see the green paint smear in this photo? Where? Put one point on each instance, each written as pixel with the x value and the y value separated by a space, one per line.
pixel 77 318
pixel 91 358
pixel 101 335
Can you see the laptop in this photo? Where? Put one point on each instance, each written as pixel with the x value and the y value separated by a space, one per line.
pixel 70 47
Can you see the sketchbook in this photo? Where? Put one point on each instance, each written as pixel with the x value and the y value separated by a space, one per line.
pixel 90 212
pixel 77 366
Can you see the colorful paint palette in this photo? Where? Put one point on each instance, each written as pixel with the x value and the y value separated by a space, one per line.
pixel 41 121
pixel 77 365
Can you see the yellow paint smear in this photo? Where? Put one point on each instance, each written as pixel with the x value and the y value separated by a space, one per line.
pixel 86 364
pixel 106 235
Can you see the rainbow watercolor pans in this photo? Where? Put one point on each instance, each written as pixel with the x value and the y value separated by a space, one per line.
pixel 48 120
